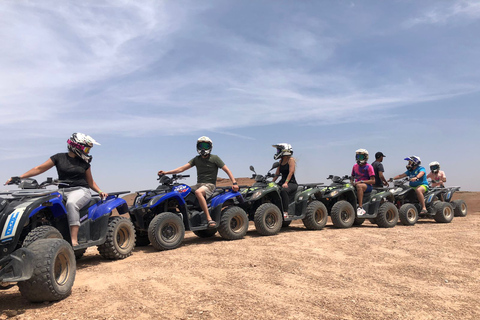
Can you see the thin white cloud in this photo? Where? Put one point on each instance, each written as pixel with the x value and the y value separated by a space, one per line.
pixel 462 9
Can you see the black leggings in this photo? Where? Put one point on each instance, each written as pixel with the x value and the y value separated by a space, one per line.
pixel 288 195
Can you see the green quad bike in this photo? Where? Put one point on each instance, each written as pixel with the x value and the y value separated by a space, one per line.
pixel 340 197
pixel 263 205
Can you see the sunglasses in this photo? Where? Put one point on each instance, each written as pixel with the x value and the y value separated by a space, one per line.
pixel 203 145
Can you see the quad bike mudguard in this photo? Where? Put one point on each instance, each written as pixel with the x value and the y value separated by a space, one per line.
pixel 217 203
pixel 17 266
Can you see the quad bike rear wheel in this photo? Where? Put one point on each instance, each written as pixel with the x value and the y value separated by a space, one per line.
pixel 342 214
pixel 316 216
pixel 54 270
pixel 233 223
pixel 120 240
pixel 443 212
pixel 408 214
pixel 268 219
pixel 460 208
pixel 166 231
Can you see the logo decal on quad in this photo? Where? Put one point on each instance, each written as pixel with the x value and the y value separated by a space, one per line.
pixel 11 226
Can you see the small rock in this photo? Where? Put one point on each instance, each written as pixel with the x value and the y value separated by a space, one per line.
pixel 11 313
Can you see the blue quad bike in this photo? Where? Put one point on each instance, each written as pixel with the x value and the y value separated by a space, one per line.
pixel 162 215
pixel 409 208
pixel 340 197
pixel 264 206
pixel 35 243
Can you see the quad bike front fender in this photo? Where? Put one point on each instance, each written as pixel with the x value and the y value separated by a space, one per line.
pixel 17 266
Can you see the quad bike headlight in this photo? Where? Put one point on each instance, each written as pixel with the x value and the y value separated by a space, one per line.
pixel 256 195
pixel 333 193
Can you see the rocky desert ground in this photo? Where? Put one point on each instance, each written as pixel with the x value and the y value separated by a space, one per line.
pixel 427 271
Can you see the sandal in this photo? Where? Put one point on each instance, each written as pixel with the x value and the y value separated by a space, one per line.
pixel 424 211
pixel 212 224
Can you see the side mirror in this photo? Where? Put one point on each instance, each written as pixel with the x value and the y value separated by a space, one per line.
pixel 275 165
pixel 252 168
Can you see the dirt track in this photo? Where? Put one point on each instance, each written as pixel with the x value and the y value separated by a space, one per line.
pixel 428 271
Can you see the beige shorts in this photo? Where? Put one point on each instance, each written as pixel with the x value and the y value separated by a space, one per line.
pixel 208 187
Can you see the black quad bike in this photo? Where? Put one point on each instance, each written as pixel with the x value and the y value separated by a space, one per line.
pixel 35 248
pixel 264 206
pixel 162 215
pixel 407 203
pixel 459 206
pixel 340 197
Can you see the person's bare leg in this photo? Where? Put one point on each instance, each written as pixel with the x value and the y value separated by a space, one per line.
pixel 419 191
pixel 360 191
pixel 74 235
pixel 202 201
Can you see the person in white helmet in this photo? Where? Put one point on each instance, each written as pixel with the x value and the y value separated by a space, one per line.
pixel 362 177
pixel 207 170
pixel 436 175
pixel 73 166
pixel 418 179
pixel 286 171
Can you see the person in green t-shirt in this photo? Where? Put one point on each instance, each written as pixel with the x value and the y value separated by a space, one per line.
pixel 207 170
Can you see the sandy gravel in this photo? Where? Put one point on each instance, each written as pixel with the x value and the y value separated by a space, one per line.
pixel 428 271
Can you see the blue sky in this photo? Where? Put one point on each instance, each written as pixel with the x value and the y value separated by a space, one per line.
pixel 147 78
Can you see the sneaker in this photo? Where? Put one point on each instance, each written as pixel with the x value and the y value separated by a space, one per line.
pixel 361 211
pixel 285 215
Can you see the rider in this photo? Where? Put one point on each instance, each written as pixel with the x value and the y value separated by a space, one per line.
pixel 287 171
pixel 207 171
pixel 364 176
pixel 418 179
pixel 437 176
pixel 73 166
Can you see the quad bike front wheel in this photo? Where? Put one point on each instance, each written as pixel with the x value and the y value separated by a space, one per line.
pixel 460 208
pixel 342 214
pixel 408 214
pixel 233 223
pixel 166 231
pixel 316 216
pixel 268 219
pixel 387 215
pixel 41 232
pixel 120 239
pixel 443 212
pixel 54 269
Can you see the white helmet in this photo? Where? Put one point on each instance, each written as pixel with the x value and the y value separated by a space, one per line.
pixel 434 166
pixel 80 144
pixel 283 149
pixel 413 161
pixel 361 155
pixel 204 145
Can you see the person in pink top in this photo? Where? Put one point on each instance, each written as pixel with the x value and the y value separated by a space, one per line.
pixel 436 175
pixel 363 177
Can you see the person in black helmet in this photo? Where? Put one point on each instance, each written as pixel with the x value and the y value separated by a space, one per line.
pixel 377 165
pixel 207 170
